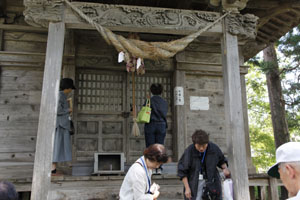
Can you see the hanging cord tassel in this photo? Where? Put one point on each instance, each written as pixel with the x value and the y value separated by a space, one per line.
pixel 135 128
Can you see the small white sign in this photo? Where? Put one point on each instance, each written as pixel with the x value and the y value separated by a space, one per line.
pixel 199 103
pixel 178 96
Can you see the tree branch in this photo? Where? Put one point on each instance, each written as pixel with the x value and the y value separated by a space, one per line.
pixel 287 69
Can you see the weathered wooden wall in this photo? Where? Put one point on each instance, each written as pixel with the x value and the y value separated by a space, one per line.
pixel 21 85
pixel 202 63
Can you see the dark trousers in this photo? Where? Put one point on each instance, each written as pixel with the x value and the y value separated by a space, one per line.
pixel 155 132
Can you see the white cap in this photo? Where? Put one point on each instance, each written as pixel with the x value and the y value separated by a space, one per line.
pixel 288 152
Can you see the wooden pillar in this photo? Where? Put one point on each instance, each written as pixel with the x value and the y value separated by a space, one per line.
pixel 234 120
pixel 69 53
pixel 179 115
pixel 2 20
pixel 68 71
pixel 47 120
pixel 251 167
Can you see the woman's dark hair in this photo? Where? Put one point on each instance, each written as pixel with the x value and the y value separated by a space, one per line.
pixel 200 137
pixel 66 83
pixel 156 153
pixel 156 89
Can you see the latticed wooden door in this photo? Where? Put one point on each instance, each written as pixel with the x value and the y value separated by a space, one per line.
pixel 136 145
pixel 103 112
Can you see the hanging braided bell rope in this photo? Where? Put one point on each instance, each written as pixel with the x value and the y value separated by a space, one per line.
pixel 142 49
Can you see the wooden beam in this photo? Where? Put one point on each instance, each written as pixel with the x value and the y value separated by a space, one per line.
pixel 234 121
pixel 283 21
pixel 116 19
pixel 268 35
pixel 271 27
pixel 10 27
pixel 179 117
pixel 267 4
pixel 263 34
pixel 270 14
pixel 262 40
pixel 47 119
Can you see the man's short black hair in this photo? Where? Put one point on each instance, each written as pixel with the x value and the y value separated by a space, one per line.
pixel 156 89
pixel 8 191
pixel 200 137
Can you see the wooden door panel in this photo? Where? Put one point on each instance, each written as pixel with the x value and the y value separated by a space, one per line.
pixel 100 91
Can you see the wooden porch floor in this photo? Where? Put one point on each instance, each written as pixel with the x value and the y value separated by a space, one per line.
pixel 107 187
pixel 101 187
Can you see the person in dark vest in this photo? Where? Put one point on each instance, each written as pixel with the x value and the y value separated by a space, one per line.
pixel 8 191
pixel 155 130
pixel 62 150
pixel 197 168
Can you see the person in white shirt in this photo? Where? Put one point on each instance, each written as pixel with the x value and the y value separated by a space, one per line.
pixel 137 182
pixel 287 168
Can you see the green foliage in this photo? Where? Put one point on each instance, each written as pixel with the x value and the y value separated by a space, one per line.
pixel 261 133
pixel 262 141
pixel 263 66
pixel 289 46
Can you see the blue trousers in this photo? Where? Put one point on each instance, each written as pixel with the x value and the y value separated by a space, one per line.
pixel 155 132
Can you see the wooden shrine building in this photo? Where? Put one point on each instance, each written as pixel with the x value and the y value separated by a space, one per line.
pixel 204 84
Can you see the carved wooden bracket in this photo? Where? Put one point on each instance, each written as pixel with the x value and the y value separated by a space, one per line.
pixel 40 12
pixel 244 26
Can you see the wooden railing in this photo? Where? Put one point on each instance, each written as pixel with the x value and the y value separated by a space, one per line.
pixel 263 187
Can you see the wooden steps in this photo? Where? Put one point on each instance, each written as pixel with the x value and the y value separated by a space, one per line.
pixel 107 187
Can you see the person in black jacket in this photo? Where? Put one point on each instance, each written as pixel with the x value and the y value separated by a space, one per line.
pixel 197 168
pixel 155 130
